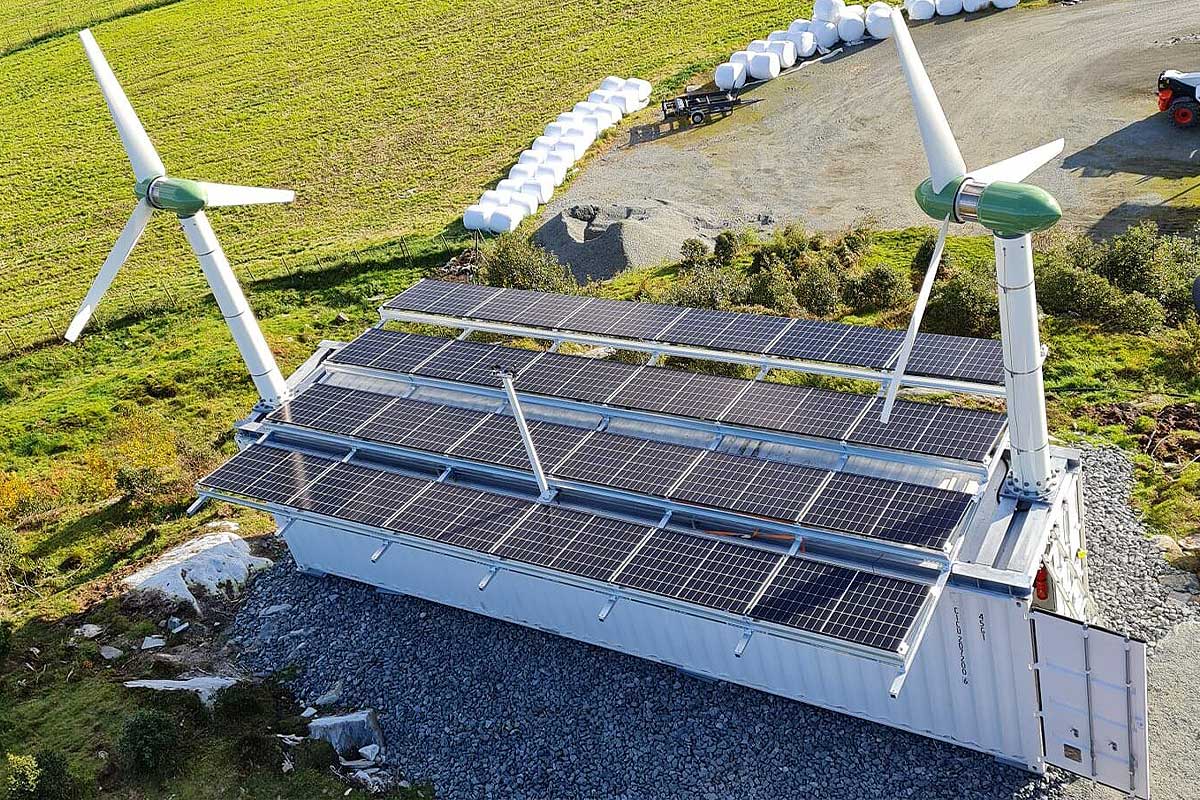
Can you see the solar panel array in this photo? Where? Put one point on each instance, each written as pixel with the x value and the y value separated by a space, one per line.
pixel 818 498
pixel 864 608
pixel 955 357
pixel 937 430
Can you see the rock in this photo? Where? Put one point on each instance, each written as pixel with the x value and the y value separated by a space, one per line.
pixel 176 625
pixel 88 631
pixel 340 319
pixel 204 687
pixel 308 713
pixel 1190 543
pixel 213 562
pixel 348 732
pixel 370 752
pixel 330 697
pixel 1180 581
pixel 110 653
pixel 1167 545
pixel 151 642
pixel 275 609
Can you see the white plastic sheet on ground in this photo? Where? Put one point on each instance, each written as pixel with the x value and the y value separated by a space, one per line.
pixel 850 26
pixel 827 10
pixel 763 66
pixel 826 34
pixel 730 76
pixel 785 50
pixel 948 8
pixel 920 9
pixel 879 20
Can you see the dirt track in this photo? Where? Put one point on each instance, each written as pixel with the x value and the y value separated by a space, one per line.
pixel 836 140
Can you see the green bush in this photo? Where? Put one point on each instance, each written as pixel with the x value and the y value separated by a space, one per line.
pixel 726 248
pixel 775 288
pixel 693 254
pixel 1064 288
pixel 6 630
pixel 315 754
pixel 1136 313
pixel 245 705
pixel 880 287
pixel 516 262
pixel 44 776
pixel 817 290
pixel 150 743
pixel 708 287
pixel 964 305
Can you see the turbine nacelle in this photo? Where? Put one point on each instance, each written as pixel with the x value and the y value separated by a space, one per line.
pixel 1003 207
pixel 178 195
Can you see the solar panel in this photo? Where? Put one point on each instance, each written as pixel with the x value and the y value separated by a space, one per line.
pixel 420 295
pixel 962 433
pixel 937 354
pixel 705 396
pixel 510 304
pixel 551 310
pixel 485 521
pixel 600 458
pixel 397 421
pixel 239 473
pixel 646 321
pixel 729 577
pixel 665 562
pixel 597 380
pixel 460 300
pixel 441 429
pixel 752 333
pixel 922 516
pixel 332 408
pixel 908 423
pixel 652 389
pixel 599 549
pixel 542 535
pixel 599 316
pixel 380 500
pixel 496 441
pixel 388 350
pixel 866 347
pixel 331 491
pixel 984 363
pixel 483 372
pixel 803 594
pixel 294 471
pixel 306 408
pixel 548 374
pixel 876 611
pixel 851 503
pixel 433 511
pixel 699 326
pixel 766 405
pixel 826 414
pixel 809 340
pixel 718 480
pixel 553 442
pixel 780 491
pixel 655 467
pixel 456 360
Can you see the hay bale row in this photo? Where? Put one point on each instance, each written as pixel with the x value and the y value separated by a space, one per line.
pixel 543 167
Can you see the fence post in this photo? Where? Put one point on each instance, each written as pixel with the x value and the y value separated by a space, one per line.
pixel 11 343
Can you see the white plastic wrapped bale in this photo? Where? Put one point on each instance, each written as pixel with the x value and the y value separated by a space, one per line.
pixel 763 66
pixel 600 96
pixel 521 171
pixel 641 87
pixel 505 219
pixel 851 26
pixel 779 36
pixel 534 157
pixel 627 100
pixel 544 142
pixel 786 52
pixel 879 20
pixel 559 164
pixel 565 129
pixel 510 185
pixel 1003 4
pixel 975 6
pixel 612 83
pixel 919 10
pixel 730 76
pixel 605 113
pixel 556 174
pixel 572 147
pixel 806 44
pixel 504 197
pixel 800 26
pixel 586 122
pixel 540 187
pixel 477 216
pixel 758 46
pixel 828 10
pixel 826 34
pixel 948 8
pixel 740 57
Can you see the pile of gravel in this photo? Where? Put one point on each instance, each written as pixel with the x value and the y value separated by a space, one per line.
pixel 487 709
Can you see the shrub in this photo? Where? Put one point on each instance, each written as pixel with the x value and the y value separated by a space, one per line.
pixel 964 305
pixel 775 288
pixel 709 287
pixel 1136 313
pixel 257 749
pixel 516 262
pixel 6 630
pixel 244 705
pixel 853 244
pixel 948 268
pixel 878 288
pixel 817 290
pixel 315 754
pixel 44 776
pixel 694 254
pixel 149 743
pixel 726 248
pixel 1067 289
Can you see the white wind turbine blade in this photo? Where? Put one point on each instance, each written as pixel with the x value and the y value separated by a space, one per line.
pixel 142 155
pixel 1018 168
pixel 120 252
pixel 914 324
pixel 224 194
pixel 945 161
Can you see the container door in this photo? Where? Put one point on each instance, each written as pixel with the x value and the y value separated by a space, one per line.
pixel 1092 691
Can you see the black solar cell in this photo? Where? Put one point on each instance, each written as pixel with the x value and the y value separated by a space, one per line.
pixel 548 374
pixel 752 333
pixel 397 421
pixel 421 295
pixel 647 321
pixel 597 380
pixel 984 363
pixel 718 480
pixel 699 326
pixel 599 316
pixel 510 304
pixel 867 347
pixel 803 594
pixel 826 414
pixel 780 491
pixel 484 522
pixel 654 468
pixel 706 396
pixel 665 563
pixel 729 577
pixel 809 340
pixel 461 300
pixel 434 511
pixel 652 389
pixel 599 548
pixel 542 535
pixel 908 423
pixel 458 359
pixel 851 503
pixel 922 516
pixel 329 493
pixel 876 611
pixel 380 500
pixel 962 433
pixel 552 310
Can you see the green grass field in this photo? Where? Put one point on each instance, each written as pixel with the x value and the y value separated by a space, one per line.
pixel 387 118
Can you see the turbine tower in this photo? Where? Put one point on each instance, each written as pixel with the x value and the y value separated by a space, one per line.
pixel 186 199
pixel 994 197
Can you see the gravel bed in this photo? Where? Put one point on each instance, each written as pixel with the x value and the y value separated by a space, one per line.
pixel 486 709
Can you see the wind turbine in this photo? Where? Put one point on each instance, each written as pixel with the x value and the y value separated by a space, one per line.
pixel 995 198
pixel 187 199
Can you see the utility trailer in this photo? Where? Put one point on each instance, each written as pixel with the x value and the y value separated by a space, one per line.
pixel 728 544
pixel 1177 95
pixel 698 107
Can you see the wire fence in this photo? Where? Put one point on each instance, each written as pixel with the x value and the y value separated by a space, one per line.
pixel 186 287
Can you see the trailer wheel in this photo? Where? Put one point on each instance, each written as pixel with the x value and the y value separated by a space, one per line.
pixel 697 117
pixel 1185 113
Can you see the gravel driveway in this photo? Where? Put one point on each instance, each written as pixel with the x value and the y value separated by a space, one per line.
pixel 486 709
pixel 836 141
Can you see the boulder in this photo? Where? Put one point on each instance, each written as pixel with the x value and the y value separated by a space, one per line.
pixel 110 653
pixel 212 562
pixel 204 687
pixel 1169 547
pixel 151 642
pixel 348 733
pixel 88 631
